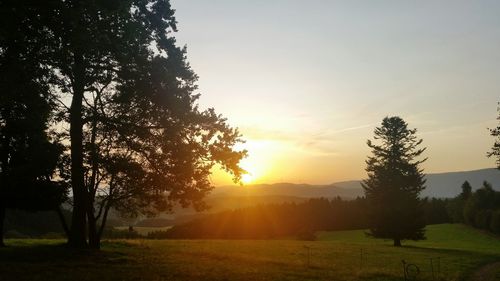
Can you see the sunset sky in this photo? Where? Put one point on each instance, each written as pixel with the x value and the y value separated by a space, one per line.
pixel 307 81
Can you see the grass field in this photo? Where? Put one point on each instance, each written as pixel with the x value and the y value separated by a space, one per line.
pixel 343 255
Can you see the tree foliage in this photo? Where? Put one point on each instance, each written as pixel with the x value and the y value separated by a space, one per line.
pixel 138 142
pixel 456 205
pixel 29 153
pixel 480 209
pixel 495 149
pixel 394 182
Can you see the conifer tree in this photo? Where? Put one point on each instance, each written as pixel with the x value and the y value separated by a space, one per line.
pixel 394 182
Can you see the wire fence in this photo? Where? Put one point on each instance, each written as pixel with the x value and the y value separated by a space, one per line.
pixel 408 268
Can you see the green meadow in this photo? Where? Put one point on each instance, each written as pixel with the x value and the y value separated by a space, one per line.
pixel 451 252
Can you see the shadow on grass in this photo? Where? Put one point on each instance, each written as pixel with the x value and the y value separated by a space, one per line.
pixel 456 252
pixel 50 260
pixel 59 253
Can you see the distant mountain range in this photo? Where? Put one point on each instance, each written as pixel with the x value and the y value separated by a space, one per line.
pixel 441 185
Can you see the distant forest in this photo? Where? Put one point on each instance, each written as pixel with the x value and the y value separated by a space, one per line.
pixel 300 220
pixel 480 209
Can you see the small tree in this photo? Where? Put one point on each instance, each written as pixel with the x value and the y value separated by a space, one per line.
pixel 456 205
pixel 466 191
pixel 495 150
pixel 394 183
pixel 495 222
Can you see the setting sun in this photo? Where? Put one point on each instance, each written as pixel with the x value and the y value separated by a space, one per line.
pixel 247 178
pixel 251 171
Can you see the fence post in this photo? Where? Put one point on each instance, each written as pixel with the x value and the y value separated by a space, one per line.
pixel 308 256
pixel 439 268
pixel 361 261
pixel 404 270
pixel 432 268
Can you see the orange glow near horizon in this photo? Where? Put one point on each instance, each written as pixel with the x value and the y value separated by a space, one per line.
pixel 253 165
pixel 258 164
pixel 307 97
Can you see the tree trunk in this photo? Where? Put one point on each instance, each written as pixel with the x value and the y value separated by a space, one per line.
pixel 94 239
pixel 2 220
pixel 77 237
pixel 103 224
pixel 397 242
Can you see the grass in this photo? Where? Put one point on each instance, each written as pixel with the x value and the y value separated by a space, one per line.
pixel 343 255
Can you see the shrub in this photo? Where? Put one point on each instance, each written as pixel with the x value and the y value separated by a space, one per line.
pixel 482 219
pixel 455 210
pixel 53 235
pixel 306 235
pixel 470 210
pixel 158 234
pixel 14 234
pixel 112 233
pixel 495 222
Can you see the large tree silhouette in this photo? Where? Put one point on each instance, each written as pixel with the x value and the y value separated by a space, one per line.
pixel 29 155
pixel 138 140
pixel 394 182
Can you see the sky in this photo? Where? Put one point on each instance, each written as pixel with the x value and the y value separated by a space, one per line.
pixel 306 82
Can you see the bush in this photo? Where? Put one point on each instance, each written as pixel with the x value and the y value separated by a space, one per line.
pixel 470 210
pixel 14 234
pixel 495 222
pixel 455 210
pixel 482 219
pixel 436 211
pixel 53 235
pixel 112 233
pixel 306 235
pixel 158 234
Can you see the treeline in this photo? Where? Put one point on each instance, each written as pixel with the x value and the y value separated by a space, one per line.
pixel 43 224
pixel 275 220
pixel 299 220
pixel 26 224
pixel 480 209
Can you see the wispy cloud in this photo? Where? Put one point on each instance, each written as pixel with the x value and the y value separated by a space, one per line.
pixel 320 143
pixel 354 128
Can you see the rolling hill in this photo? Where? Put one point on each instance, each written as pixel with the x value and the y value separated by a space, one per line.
pixel 446 185
pixel 442 185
